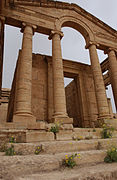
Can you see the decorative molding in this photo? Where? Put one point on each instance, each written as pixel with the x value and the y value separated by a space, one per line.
pixel 24 24
pixel 55 32
pixel 91 43
pixel 110 49
pixel 105 36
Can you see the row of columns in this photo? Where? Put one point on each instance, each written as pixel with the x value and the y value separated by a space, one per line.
pixel 24 84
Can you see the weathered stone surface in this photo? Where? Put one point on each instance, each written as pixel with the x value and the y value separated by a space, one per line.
pixel 96 172
pixel 64 135
pixel 33 136
pixel 63 146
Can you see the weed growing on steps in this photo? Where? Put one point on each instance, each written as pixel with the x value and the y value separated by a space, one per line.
pixel 107 131
pixel 94 130
pixel 12 139
pixel 111 155
pixel 78 138
pixel 55 128
pixel 38 150
pixel 10 151
pixel 69 161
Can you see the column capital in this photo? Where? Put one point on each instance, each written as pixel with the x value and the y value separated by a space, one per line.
pixel 60 33
pixel 110 49
pixel 2 18
pixel 24 24
pixel 91 43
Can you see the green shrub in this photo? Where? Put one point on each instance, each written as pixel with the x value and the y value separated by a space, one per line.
pixel 10 151
pixel 70 161
pixel 107 131
pixel 12 139
pixel 38 150
pixel 55 128
pixel 111 155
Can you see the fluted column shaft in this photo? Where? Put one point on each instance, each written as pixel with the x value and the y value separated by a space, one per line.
pixel 101 98
pixel 58 77
pixel 113 70
pixel 2 21
pixel 24 82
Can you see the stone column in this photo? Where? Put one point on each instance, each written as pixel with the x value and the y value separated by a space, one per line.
pixel 23 111
pixel 113 72
pixel 58 78
pixel 2 21
pixel 102 104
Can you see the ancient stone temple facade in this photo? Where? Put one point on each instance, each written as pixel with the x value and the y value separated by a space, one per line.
pixel 38 95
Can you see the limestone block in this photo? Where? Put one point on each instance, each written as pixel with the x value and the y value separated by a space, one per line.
pixel 37 125
pixel 64 135
pixel 33 136
pixel 67 127
pixel 112 122
pixel 63 120
pixel 3 112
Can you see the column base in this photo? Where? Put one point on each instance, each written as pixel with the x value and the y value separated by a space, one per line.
pixel 112 122
pixel 101 120
pixel 62 120
pixel 24 119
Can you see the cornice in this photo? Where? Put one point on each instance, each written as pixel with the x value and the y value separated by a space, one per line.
pixel 72 6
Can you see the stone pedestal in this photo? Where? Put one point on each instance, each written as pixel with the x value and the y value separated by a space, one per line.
pixel 58 78
pixel 23 112
pixel 113 72
pixel 103 109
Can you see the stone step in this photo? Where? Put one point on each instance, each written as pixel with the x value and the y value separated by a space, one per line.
pixel 54 147
pixel 96 172
pixel 17 165
pixel 32 136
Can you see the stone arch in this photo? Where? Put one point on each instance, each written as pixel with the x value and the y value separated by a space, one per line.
pixel 77 24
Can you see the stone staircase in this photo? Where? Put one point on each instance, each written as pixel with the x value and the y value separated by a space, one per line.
pixel 48 164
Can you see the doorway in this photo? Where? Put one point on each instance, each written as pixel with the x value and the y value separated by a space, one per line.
pixel 73 102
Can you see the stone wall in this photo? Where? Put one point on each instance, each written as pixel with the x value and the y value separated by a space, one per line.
pixel 39 87
pixel 4 105
pixel 80 93
pixel 73 103
pixel 80 98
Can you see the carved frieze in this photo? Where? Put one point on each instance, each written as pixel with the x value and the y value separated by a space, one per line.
pixel 105 36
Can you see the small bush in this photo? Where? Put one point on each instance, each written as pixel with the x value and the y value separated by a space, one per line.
pixel 12 139
pixel 38 150
pixel 70 161
pixel 107 131
pixel 55 128
pixel 10 151
pixel 111 155
pixel 94 130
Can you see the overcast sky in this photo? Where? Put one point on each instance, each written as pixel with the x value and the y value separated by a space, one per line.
pixel 73 43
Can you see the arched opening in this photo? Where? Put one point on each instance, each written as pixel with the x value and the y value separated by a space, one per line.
pixel 73 49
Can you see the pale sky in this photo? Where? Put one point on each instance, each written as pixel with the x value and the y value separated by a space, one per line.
pixel 73 43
